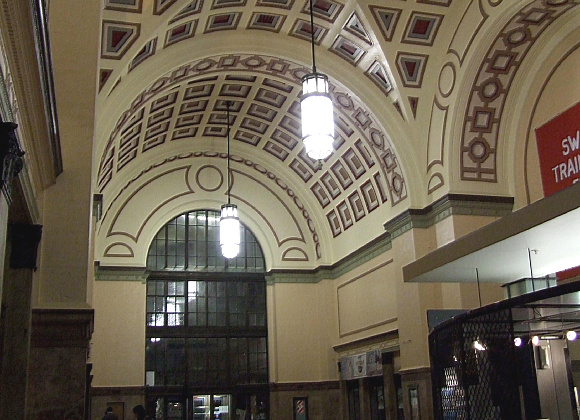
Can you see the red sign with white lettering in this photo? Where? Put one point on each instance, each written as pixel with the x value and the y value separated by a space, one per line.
pixel 559 150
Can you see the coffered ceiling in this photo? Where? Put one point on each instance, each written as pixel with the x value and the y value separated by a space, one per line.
pixel 416 85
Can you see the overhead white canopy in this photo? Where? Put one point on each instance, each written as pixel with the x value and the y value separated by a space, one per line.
pixel 538 240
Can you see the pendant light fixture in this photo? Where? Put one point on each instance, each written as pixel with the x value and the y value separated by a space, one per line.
pixel 229 222
pixel 316 109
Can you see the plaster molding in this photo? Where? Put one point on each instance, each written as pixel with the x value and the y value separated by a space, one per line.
pixel 117 273
pixel 61 327
pixel 366 253
pixel 449 205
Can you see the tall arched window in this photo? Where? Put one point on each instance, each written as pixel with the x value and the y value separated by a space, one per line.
pixel 191 242
pixel 206 315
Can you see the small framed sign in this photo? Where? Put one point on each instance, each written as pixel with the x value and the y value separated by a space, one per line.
pixel 414 403
pixel 300 408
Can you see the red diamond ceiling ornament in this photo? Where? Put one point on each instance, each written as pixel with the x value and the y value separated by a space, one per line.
pixel 117 38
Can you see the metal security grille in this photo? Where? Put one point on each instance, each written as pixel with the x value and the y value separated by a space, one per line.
pixel 474 368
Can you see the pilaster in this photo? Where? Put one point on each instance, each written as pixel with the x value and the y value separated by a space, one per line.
pixel 58 378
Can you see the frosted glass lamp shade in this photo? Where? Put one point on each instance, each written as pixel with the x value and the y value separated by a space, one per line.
pixel 317 116
pixel 229 231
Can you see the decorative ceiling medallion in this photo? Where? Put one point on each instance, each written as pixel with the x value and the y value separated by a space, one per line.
pixel 117 38
pixel 347 50
pixel 147 51
pixel 180 32
pixel 222 22
pixel 160 6
pixel 266 21
pixel 411 68
pixel 303 30
pixel 355 27
pixel 192 8
pixel 378 75
pixel 324 9
pixel 422 28
pixel 386 19
pixel 282 4
pixel 104 75
pixel 131 6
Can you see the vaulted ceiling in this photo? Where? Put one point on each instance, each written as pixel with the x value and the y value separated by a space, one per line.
pixel 419 89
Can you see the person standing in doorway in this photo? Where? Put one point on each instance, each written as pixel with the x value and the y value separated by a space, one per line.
pixel 140 413
pixel 109 415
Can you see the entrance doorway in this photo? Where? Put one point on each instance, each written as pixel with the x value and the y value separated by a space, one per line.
pixel 218 406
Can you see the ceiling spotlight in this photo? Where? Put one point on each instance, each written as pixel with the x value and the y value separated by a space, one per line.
pixel 478 346
pixel 571 335
pixel 535 340
pixel 518 341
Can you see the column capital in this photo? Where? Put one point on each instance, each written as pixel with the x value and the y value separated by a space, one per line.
pixel 62 327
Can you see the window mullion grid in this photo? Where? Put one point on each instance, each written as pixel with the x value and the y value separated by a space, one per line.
pixel 166 264
pixel 186 245
pixel 207 227
pixel 165 298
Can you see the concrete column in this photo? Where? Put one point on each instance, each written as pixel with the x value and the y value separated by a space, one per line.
pixel 3 228
pixel 15 320
pixel 57 372
pixel 365 398
pixel 15 342
pixel 389 385
pixel 343 400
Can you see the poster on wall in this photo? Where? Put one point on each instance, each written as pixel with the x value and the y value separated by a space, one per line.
pixel 300 408
pixel 558 143
pixel 374 363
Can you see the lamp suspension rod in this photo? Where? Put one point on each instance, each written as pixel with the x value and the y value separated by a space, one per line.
pixel 312 38
pixel 228 131
pixel 478 288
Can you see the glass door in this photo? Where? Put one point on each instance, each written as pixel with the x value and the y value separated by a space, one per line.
pixel 212 407
pixel 377 398
pixel 201 407
pixel 221 407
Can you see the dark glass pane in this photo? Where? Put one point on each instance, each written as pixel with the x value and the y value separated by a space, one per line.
pixel 150 304
pixel 160 263
pixel 151 259
pixel 162 235
pixel 170 261
pixel 171 231
pixel 160 247
pixel 159 288
pixel 180 233
pixel 150 288
pixel 159 304
pixel 202 288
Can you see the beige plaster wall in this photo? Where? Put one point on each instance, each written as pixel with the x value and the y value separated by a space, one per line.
pixel 64 250
pixel 301 321
pixel 118 342
pixel 465 295
pixel 366 301
pixel 413 298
